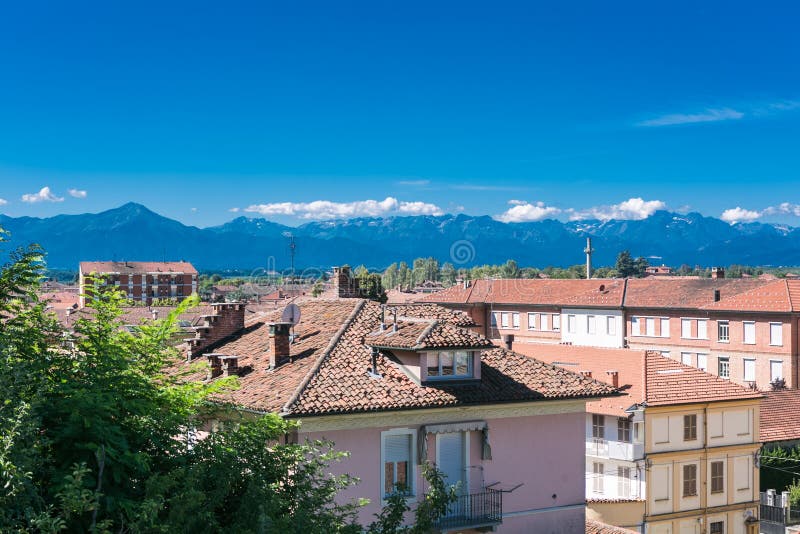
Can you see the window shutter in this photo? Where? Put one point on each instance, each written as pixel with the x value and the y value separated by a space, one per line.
pixel 776 334
pixel 397 448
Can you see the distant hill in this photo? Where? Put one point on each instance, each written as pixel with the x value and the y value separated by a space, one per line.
pixel 134 232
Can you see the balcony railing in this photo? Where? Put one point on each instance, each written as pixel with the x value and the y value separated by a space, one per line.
pixel 597 447
pixel 474 510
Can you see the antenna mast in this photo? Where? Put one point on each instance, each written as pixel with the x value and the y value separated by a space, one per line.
pixel 292 248
pixel 588 250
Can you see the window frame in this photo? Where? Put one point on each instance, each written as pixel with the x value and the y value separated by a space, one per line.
pixel 598 470
pixel 727 361
pixel 602 426
pixel 686 321
pixel 555 327
pixel 693 489
pixel 572 323
pixel 454 376
pixel 591 324
pixel 535 320
pixel 690 427
pixel 664 332
pixel 780 329
pixel 636 325
pixel 745 362
pixel 611 325
pixel 624 427
pixel 745 324
pixel 623 481
pixel 771 364
pixel 726 325
pixel 650 326
pixel 717 482
pixel 412 461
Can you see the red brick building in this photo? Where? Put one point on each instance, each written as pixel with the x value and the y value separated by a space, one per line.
pixel 141 281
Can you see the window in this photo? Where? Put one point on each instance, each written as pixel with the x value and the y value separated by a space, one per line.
pixel 724 367
pixel 504 319
pixel 723 331
pixel 556 322
pixel 397 453
pixel 532 320
pixel 702 329
pixel 515 320
pixel 571 324
pixel 690 427
pixel 775 370
pixel 624 430
pixel 717 527
pixel 638 432
pixel 686 358
pixel 634 326
pixel 611 325
pixel 623 482
pixel 664 327
pixel 690 480
pixel 717 477
pixel 597 482
pixel 650 326
pixel 591 327
pixel 702 362
pixel 598 426
pixel 749 370
pixel 749 332
pixel 686 328
pixel 449 364
pixel 775 334
pixel 545 318
pixel 666 353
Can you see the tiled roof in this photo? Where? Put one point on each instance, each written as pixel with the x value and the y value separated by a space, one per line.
pixel 596 527
pixel 135 267
pixel 779 421
pixel 431 311
pixel 134 315
pixel 331 358
pixel 425 334
pixel 575 292
pixel 735 294
pixel 644 376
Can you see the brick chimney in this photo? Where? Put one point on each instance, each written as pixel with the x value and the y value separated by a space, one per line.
pixel 614 378
pixel 587 374
pixel 344 285
pixel 717 273
pixel 279 344
pixel 222 365
pixel 227 320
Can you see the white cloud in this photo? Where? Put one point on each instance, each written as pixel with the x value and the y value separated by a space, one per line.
pixel 326 209
pixel 44 195
pixel 632 209
pixel 77 193
pixel 737 214
pixel 784 208
pixel 234 210
pixel 414 183
pixel 708 115
pixel 522 211
pixel 193 210
pixel 3 202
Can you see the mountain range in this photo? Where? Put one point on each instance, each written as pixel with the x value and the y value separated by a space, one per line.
pixel 133 232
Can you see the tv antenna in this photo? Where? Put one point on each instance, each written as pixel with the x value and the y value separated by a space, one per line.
pixel 292 248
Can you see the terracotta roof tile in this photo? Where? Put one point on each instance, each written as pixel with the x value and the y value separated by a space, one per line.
pixel 779 421
pixel 596 527
pixel 684 293
pixel 328 373
pixel 573 292
pixel 425 334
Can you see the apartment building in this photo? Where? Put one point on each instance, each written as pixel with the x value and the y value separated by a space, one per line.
pixel 140 281
pixel 677 454
pixel 396 390
pixel 744 330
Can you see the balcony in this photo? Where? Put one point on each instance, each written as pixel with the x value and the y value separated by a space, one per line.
pixel 473 510
pixel 617 450
pixel 597 447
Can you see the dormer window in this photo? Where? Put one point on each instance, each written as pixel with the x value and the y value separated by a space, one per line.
pixel 449 364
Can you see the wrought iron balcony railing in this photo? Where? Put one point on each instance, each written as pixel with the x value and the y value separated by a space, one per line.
pixel 474 510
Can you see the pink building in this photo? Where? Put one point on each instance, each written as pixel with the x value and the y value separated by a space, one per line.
pixel 399 386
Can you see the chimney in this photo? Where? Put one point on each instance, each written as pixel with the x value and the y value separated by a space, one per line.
pixel 227 320
pixel 716 295
pixel 587 374
pixel 230 365
pixel 588 250
pixel 508 341
pixel 215 366
pixel 614 378
pixel 279 344
pixel 344 285
pixel 383 317
pixel 717 273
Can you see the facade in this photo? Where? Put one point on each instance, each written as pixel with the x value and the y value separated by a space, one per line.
pixel 399 389
pixel 744 330
pixel 140 281
pixel 677 454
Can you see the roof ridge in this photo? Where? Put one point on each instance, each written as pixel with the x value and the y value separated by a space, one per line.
pixel 315 368
pixel 426 332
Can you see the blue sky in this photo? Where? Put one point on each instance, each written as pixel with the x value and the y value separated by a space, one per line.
pixel 303 110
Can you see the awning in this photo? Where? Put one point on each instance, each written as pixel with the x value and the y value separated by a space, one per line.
pixel 465 426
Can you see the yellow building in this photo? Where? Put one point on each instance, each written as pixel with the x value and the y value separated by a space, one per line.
pixel 676 454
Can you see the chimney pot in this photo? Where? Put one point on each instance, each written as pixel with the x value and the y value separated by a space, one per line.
pixel 717 273
pixel 587 374
pixel 614 378
pixel 279 344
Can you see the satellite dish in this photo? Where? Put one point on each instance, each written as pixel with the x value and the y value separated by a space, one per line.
pixel 291 314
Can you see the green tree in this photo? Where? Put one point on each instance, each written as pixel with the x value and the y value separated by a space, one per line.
pixel 625 265
pixel 640 266
pixel 404 275
pixel 510 269
pixel 448 274
pixel 390 278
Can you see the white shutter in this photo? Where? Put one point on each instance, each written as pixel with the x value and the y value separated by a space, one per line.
pixel 556 322
pixel 749 370
pixel 686 358
pixel 515 319
pixel 397 448
pixel 702 361
pixel 659 476
pixel 749 333
pixel 634 326
pixel 775 370
pixel 611 326
pixel 664 327
pixel 775 334
pixel 451 457
pixel 544 318
pixel 661 429
pixel 686 328
pixel 650 326
pixel 742 473
pixel 702 329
